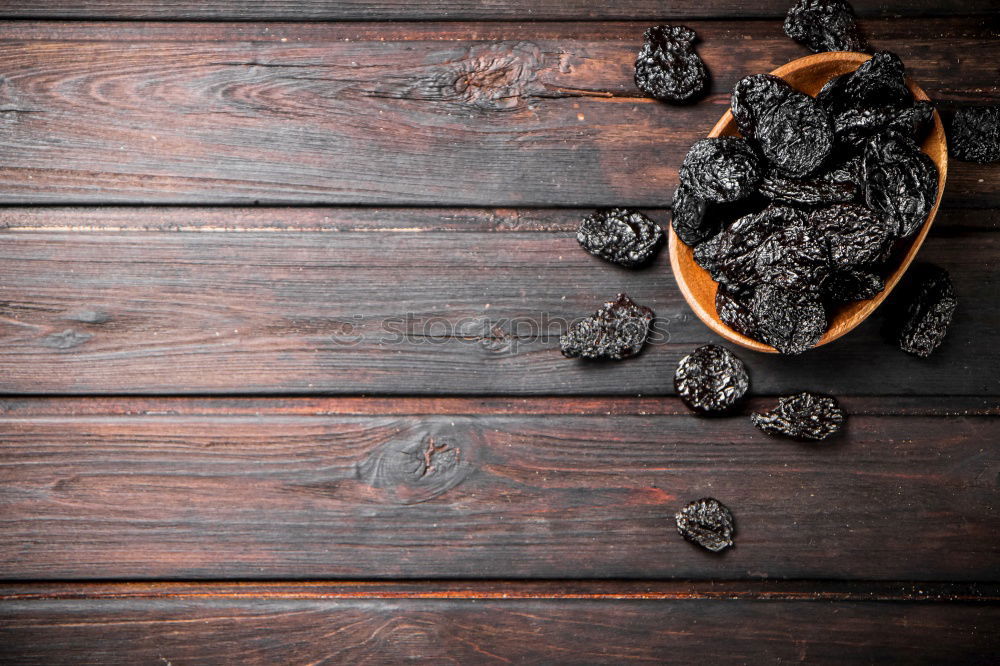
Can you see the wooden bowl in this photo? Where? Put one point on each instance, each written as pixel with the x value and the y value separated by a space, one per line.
pixel 808 75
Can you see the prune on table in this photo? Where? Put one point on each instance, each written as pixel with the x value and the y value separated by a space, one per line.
pixel 819 190
pixel 805 416
pixel 667 67
pixel 899 182
pixel 621 236
pixel 708 523
pixel 791 322
pixel 853 235
pixel 879 81
pixel 824 25
pixel 974 134
pixel 711 380
pixel 793 132
pixel 721 170
pixel 617 330
pixel 851 285
pixel 923 310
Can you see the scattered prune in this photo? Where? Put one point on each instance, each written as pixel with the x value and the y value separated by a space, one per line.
pixel 708 523
pixel 974 132
pixel 815 191
pixel 805 416
pixel 853 235
pixel 721 169
pixel 853 285
pixel 923 310
pixel 794 133
pixel 711 380
pixel 617 330
pixel 899 182
pixel 667 67
pixel 621 236
pixel 824 25
pixel 790 322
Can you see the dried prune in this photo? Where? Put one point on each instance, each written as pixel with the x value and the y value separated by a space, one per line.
pixel 731 257
pixel 923 310
pixel 734 311
pixel 711 380
pixel 793 132
pixel 824 25
pixel 879 81
pixel 617 330
pixel 853 235
pixel 816 191
pixel 621 236
pixel 793 258
pixel 853 285
pixel 708 523
pixel 667 67
pixel 791 322
pixel 852 128
pixel 899 182
pixel 914 122
pixel 721 169
pixel 974 132
pixel 805 416
pixel 687 214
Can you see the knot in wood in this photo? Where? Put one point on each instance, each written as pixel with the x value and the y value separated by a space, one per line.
pixel 498 76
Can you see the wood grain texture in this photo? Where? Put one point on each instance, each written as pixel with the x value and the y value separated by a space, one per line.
pixel 405 312
pixel 268 496
pixel 395 10
pixel 572 631
pixel 455 114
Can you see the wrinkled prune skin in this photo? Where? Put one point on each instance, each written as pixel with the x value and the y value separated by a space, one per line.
pixel 923 310
pixel 734 311
pixel 620 235
pixel 791 322
pixel 667 67
pixel 711 380
pixel 824 25
pixel 805 416
pixel 914 122
pixel 974 134
pixel 616 331
pixel 721 170
pixel 821 190
pixel 793 132
pixel 730 256
pixel 899 182
pixel 853 235
pixel 847 286
pixel 854 127
pixel 793 258
pixel 687 215
pixel 708 523
pixel 879 81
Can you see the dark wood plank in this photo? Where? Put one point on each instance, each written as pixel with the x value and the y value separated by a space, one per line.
pixel 562 631
pixel 366 10
pixel 454 114
pixel 404 312
pixel 285 495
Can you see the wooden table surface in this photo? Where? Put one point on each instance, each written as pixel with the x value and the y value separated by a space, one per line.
pixel 280 292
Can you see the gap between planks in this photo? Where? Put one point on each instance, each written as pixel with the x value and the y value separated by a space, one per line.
pixel 788 590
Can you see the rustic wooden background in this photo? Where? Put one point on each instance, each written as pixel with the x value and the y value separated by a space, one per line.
pixel 213 449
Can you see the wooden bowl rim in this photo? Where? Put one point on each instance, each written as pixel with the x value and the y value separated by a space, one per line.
pixel 838 326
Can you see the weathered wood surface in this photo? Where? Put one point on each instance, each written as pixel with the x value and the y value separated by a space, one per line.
pixel 402 310
pixel 453 10
pixel 216 628
pixel 446 114
pixel 265 496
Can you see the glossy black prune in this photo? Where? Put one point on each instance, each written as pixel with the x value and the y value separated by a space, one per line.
pixel 734 310
pixel 616 331
pixel 879 81
pixel 899 182
pixel 667 67
pixel 853 235
pixel 792 258
pixel 731 255
pixel 721 170
pixel 824 25
pixel 793 132
pixel 820 190
pixel 620 235
pixel 711 380
pixel 708 523
pixel 850 285
pixel 974 134
pixel 805 416
pixel 852 128
pixel 687 215
pixel 923 310
pixel 791 322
